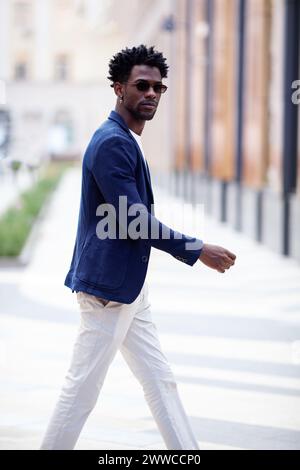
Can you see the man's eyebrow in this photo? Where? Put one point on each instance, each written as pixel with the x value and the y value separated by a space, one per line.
pixel 147 80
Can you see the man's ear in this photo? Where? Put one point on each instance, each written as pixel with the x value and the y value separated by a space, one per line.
pixel 118 88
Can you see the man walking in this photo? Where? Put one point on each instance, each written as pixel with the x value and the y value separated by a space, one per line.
pixel 108 272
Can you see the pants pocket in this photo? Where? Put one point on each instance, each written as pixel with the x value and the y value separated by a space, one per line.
pixel 89 302
pixel 104 302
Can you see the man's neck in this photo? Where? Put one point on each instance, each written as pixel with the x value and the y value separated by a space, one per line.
pixel 135 125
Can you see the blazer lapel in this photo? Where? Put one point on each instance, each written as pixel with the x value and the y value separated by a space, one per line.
pixel 114 116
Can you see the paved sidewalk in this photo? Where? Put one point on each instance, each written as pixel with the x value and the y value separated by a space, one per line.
pixel 232 340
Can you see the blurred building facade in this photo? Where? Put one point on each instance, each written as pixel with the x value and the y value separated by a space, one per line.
pixel 226 133
pixel 53 66
pixel 229 128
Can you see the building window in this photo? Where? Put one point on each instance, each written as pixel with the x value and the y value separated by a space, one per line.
pixel 23 17
pixel 62 67
pixel 61 134
pixel 5 132
pixel 21 71
pixel 81 8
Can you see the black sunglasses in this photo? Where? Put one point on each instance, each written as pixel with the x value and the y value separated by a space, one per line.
pixel 144 85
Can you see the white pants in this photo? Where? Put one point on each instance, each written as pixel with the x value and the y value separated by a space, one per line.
pixel 105 328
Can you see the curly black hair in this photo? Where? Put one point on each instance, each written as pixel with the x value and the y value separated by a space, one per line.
pixel 121 63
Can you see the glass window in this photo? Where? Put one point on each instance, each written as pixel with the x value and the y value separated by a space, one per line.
pixel 23 16
pixel 62 71
pixel 21 71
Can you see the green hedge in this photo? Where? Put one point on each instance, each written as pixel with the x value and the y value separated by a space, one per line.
pixel 16 222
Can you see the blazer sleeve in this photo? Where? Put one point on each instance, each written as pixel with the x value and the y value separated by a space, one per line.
pixel 113 167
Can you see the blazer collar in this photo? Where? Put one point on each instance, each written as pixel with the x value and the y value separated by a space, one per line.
pixel 114 116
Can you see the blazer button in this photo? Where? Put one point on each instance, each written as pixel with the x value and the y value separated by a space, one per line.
pixel 144 259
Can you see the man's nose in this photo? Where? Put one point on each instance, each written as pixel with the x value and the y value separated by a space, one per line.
pixel 150 93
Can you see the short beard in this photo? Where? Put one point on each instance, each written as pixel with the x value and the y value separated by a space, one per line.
pixel 141 116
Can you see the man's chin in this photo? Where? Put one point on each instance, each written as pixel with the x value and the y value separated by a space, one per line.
pixel 147 116
pixel 143 115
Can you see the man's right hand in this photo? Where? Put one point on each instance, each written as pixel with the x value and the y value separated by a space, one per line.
pixel 216 257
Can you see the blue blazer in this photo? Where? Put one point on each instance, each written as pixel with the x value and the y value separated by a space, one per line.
pixel 115 269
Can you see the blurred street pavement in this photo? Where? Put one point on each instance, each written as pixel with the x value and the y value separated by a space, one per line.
pixel 233 341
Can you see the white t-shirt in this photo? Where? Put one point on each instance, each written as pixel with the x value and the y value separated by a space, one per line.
pixel 139 141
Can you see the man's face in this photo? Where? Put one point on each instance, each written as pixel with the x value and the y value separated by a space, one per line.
pixel 142 104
